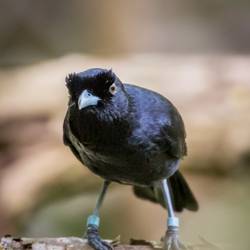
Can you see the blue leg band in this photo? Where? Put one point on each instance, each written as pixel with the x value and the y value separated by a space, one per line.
pixel 93 220
pixel 173 222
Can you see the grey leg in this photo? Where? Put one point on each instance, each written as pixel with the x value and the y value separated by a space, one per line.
pixel 171 241
pixel 93 223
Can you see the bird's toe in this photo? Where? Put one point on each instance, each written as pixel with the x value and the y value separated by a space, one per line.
pixel 95 241
pixel 172 242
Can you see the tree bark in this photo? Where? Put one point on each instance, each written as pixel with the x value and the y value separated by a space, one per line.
pixel 75 243
pixel 61 243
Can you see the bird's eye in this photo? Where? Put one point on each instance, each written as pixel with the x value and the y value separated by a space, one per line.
pixel 112 89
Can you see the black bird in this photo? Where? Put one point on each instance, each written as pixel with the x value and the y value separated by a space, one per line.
pixel 131 135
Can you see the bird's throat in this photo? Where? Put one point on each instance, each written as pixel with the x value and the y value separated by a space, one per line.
pixel 98 128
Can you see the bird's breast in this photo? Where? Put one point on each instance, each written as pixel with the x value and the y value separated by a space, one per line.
pixel 110 150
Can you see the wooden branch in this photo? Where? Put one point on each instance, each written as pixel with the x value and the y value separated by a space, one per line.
pixel 75 243
pixel 62 243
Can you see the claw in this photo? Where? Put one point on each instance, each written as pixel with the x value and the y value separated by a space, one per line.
pixel 94 239
pixel 171 241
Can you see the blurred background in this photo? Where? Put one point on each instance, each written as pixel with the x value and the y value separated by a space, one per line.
pixel 196 53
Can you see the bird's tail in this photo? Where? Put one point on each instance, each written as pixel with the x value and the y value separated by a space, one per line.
pixel 181 193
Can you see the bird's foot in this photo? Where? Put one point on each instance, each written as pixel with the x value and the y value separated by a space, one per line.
pixel 94 239
pixel 171 240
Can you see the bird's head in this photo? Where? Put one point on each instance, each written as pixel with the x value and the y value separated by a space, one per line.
pixel 93 87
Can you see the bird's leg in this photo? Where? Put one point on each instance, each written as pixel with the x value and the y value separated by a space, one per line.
pixel 93 222
pixel 171 240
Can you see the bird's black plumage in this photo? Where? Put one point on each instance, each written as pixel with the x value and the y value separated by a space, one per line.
pixel 131 135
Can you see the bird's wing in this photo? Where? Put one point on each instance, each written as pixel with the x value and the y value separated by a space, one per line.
pixel 159 121
pixel 66 137
pixel 173 136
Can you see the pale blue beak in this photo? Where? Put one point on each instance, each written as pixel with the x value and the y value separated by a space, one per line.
pixel 87 99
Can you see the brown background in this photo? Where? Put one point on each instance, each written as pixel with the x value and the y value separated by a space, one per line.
pixel 195 53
